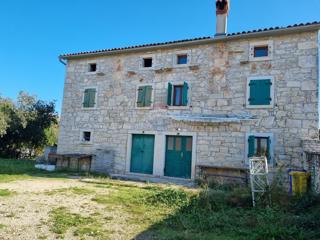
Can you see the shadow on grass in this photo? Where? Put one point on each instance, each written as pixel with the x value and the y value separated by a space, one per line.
pixel 218 215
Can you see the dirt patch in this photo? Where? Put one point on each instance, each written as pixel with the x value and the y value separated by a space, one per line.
pixel 40 185
pixel 25 215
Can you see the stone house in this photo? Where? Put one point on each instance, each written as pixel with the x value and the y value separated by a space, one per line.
pixel 171 109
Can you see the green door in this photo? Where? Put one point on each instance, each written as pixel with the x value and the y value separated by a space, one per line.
pixel 178 157
pixel 142 154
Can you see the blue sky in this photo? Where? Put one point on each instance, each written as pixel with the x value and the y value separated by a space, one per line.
pixel 35 32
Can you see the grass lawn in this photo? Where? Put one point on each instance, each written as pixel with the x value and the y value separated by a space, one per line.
pixel 101 208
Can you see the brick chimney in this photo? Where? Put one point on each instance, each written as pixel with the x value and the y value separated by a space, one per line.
pixel 222 13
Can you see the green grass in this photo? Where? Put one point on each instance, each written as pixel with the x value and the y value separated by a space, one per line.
pixel 62 220
pixel 13 170
pixel 154 212
pixel 71 190
pixel 5 193
pixel 168 213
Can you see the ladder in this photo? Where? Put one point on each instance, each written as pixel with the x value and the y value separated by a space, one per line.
pixel 258 178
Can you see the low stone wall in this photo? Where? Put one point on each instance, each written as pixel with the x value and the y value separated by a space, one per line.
pixel 223 175
pixel 311 146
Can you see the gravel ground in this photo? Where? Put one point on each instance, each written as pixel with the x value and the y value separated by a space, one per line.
pixel 25 214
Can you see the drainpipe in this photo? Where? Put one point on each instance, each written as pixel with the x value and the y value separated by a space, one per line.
pixel 61 60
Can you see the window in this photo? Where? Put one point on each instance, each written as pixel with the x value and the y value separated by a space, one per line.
pixel 178 94
pixel 86 137
pixel 182 59
pixel 92 67
pixel 144 96
pixel 89 98
pixel 259 146
pixel 170 143
pixel 260 92
pixel 147 62
pixel 189 144
pixel 261 51
pixel 178 144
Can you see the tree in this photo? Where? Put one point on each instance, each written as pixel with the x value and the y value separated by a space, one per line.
pixel 23 125
pixel 52 134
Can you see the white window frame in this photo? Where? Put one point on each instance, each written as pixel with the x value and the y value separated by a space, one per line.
pixel 82 142
pixel 268 43
pixel 141 62
pixel 178 53
pixel 152 96
pixel 272 95
pixel 262 135
pixel 96 98
pixel 179 83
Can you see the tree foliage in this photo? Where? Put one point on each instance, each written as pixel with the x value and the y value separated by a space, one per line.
pixel 24 125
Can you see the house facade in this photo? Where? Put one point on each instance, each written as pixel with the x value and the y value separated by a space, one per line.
pixel 169 109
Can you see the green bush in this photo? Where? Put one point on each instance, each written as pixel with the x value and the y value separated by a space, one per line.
pixel 168 197
pixel 229 213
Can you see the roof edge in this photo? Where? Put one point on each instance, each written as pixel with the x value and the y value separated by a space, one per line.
pixel 197 41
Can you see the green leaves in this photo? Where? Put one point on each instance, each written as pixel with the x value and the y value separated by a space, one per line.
pixel 23 125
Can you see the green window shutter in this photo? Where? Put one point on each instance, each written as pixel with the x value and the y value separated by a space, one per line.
pixel 260 92
pixel 141 97
pixel 169 98
pixel 89 99
pixel 92 97
pixel 148 95
pixel 185 94
pixel 86 99
pixel 251 142
pixel 268 150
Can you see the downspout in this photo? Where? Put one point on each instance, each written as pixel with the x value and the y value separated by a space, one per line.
pixel 61 60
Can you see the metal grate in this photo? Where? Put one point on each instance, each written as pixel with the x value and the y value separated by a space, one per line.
pixel 258 178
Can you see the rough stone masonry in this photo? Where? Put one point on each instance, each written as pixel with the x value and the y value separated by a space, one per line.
pixel 217 74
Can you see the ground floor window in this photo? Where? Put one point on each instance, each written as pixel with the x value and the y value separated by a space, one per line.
pixel 86 137
pixel 259 146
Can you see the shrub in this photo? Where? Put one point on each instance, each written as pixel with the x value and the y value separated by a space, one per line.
pixel 168 197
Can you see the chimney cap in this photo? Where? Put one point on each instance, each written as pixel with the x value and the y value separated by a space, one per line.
pixel 222 6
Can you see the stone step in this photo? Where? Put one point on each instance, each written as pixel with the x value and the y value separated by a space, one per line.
pixel 163 180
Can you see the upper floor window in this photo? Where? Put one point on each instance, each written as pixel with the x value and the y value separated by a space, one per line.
pixel 147 62
pixel 260 92
pixel 178 94
pixel 92 67
pixel 261 51
pixel 182 59
pixel 144 96
pixel 89 98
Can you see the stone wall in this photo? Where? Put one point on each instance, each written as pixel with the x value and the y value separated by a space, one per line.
pixel 311 146
pixel 217 76
pixel 312 153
